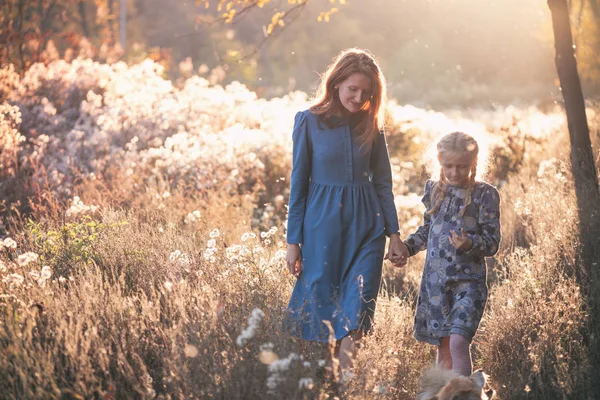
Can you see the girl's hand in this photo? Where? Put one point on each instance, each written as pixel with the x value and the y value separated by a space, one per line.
pixel 294 259
pixel 397 251
pixel 461 241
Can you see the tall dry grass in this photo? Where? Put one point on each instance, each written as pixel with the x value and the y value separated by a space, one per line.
pixel 165 279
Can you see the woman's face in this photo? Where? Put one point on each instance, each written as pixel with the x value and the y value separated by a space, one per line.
pixel 355 91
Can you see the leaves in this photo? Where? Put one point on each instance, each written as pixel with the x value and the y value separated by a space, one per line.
pixel 231 10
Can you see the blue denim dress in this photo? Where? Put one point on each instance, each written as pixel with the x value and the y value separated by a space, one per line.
pixel 340 209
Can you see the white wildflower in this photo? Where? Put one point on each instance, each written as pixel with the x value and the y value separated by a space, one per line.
pixel 280 254
pixel 27 258
pixel 215 233
pixel 13 280
pixel 78 207
pixel 9 243
pixel 267 346
pixel 250 331
pixel 182 259
pixel 192 217
pixel 305 383
pixel 277 368
pixel 46 272
pixel 42 276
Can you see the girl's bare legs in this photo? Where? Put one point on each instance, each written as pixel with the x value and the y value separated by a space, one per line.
pixel 444 358
pixel 460 351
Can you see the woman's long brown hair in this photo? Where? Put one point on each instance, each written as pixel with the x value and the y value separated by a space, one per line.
pixel 327 101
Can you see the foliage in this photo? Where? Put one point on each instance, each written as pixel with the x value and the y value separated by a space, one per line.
pixel 586 26
pixel 45 31
pixel 159 230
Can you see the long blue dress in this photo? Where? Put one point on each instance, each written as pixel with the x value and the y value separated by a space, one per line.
pixel 340 209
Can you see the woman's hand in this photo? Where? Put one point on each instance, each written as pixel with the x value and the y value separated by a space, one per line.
pixel 461 241
pixel 294 259
pixel 397 251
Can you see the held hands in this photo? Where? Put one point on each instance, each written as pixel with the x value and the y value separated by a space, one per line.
pixel 461 241
pixel 397 251
pixel 294 259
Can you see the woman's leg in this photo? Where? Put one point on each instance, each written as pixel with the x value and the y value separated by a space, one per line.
pixel 460 351
pixel 444 358
pixel 348 349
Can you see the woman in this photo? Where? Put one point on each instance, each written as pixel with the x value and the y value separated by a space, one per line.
pixel 341 206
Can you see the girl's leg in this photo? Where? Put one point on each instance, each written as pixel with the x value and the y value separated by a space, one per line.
pixel 348 350
pixel 460 351
pixel 444 358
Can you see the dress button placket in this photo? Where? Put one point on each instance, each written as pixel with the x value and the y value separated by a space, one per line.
pixel 348 154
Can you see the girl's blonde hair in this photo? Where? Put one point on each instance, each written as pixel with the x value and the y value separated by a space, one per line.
pixel 327 101
pixel 458 143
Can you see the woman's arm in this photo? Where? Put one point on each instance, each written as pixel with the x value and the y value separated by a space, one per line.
pixel 301 168
pixel 382 180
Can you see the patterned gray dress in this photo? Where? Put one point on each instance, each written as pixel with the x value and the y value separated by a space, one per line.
pixel 453 287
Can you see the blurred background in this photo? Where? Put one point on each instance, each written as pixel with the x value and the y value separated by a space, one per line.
pixel 436 54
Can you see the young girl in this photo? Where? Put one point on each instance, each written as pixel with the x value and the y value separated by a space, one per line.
pixel 341 206
pixel 461 227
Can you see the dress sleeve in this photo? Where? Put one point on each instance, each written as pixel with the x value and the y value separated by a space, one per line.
pixel 382 180
pixel 301 167
pixel 417 241
pixel 487 242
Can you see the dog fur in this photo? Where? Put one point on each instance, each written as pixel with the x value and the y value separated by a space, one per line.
pixel 440 384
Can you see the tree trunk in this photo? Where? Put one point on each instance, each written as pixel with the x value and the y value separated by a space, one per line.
pixel 83 14
pixel 585 177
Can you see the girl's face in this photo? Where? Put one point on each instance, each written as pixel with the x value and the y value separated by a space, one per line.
pixel 456 168
pixel 355 91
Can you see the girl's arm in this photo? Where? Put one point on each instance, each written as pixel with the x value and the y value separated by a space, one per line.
pixel 487 242
pixel 382 180
pixel 418 240
pixel 301 166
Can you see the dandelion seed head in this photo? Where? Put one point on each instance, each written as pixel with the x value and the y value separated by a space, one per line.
pixel 27 258
pixel 46 272
pixel 9 243
pixel 253 322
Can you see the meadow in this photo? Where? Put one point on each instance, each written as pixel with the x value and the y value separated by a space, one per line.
pixel 142 244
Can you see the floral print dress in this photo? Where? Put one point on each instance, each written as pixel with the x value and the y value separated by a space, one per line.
pixel 453 288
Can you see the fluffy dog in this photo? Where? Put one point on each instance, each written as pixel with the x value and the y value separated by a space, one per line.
pixel 440 384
